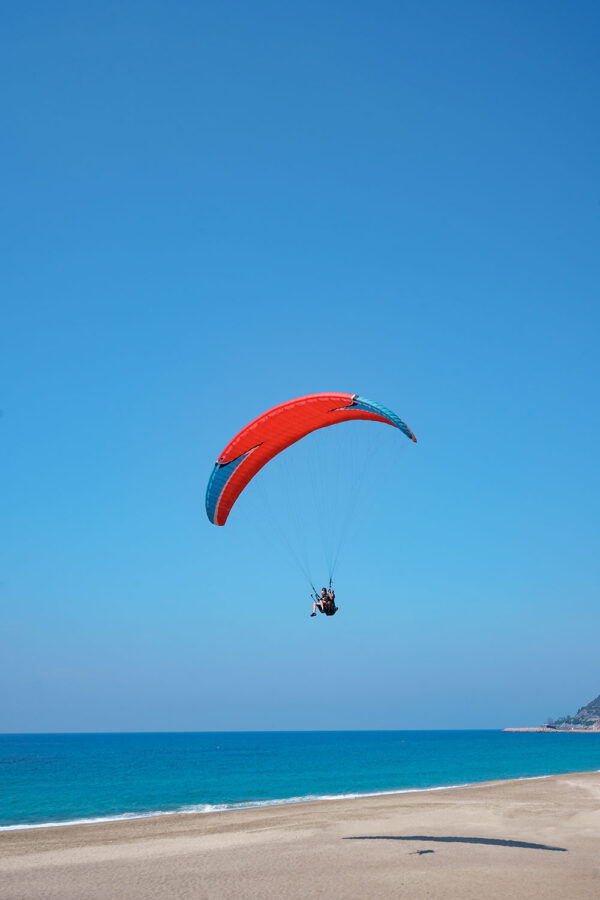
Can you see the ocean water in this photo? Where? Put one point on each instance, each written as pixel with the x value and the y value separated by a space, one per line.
pixel 49 779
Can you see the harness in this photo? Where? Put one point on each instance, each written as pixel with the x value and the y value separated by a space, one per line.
pixel 331 608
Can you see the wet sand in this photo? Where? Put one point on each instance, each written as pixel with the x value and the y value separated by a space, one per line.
pixel 537 838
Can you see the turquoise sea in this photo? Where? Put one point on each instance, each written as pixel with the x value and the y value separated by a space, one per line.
pixel 49 779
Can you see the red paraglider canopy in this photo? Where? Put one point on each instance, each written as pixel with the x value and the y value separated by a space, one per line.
pixel 276 429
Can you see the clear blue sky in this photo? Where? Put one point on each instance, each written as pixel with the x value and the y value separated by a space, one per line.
pixel 209 208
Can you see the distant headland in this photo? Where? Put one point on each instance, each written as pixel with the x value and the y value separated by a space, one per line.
pixel 587 719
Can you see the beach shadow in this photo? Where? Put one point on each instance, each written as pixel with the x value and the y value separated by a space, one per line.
pixel 495 842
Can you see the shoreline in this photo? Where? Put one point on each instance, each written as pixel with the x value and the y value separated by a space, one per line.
pixel 519 838
pixel 276 803
pixel 542 729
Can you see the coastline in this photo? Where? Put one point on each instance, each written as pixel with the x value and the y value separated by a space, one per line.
pixel 519 837
pixel 276 803
pixel 51 780
pixel 543 729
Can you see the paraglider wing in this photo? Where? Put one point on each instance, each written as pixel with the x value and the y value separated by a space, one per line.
pixel 276 429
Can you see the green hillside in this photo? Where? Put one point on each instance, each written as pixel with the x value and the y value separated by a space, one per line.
pixel 587 716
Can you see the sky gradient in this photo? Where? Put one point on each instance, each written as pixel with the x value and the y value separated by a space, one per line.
pixel 210 208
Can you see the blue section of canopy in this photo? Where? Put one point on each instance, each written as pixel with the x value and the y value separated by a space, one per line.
pixel 393 419
pixel 217 481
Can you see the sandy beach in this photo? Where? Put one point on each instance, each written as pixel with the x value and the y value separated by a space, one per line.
pixel 536 838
